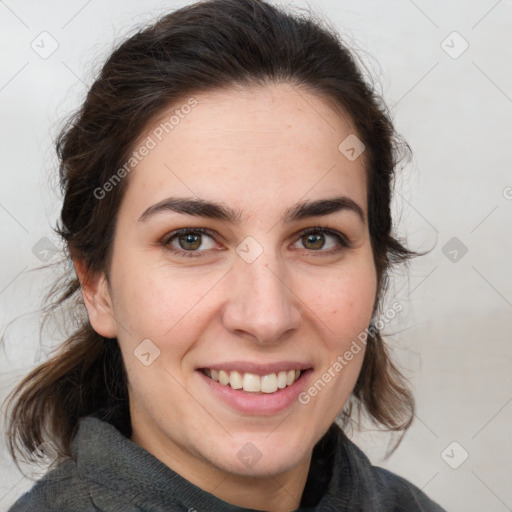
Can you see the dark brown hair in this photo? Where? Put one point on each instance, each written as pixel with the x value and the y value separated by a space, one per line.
pixel 203 47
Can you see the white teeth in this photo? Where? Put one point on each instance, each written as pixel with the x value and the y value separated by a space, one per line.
pixel 251 382
pixel 269 383
pixel 281 380
pixel 223 377
pixel 236 380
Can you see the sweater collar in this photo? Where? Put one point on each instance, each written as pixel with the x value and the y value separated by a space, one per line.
pixel 108 458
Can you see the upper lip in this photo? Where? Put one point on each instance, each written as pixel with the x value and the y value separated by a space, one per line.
pixel 257 368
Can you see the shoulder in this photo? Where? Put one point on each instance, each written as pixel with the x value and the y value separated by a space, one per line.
pixel 402 494
pixel 60 489
pixel 65 489
pixel 102 475
pixel 389 492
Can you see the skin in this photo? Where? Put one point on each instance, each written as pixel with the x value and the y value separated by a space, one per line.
pixel 259 150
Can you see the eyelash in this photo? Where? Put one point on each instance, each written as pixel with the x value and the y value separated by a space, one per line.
pixel 342 240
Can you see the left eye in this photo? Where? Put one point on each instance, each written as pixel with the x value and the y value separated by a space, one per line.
pixel 315 239
pixel 189 241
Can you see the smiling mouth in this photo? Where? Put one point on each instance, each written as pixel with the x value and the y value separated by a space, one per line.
pixel 252 383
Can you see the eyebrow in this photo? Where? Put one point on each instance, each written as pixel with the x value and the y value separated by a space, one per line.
pixel 219 211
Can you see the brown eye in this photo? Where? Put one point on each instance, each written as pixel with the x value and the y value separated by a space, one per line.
pixel 313 241
pixel 190 241
pixel 323 240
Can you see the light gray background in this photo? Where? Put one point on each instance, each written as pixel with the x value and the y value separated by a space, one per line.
pixel 454 333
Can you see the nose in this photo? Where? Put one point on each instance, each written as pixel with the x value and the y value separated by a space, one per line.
pixel 262 306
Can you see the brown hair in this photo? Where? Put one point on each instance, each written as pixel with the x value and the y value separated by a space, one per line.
pixel 205 46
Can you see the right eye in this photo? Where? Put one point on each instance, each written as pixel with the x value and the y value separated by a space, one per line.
pixel 187 241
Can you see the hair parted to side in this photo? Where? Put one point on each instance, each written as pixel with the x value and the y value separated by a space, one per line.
pixel 203 47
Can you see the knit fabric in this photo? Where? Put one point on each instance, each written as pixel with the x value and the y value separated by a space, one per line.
pixel 110 473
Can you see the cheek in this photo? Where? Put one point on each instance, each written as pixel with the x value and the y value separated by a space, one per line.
pixel 343 309
pixel 164 311
pixel 162 305
pixel 344 303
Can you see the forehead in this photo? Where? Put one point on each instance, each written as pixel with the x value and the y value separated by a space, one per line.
pixel 251 146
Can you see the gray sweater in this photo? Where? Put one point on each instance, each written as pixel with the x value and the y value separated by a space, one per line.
pixel 110 473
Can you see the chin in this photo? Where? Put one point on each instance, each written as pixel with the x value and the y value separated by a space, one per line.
pixel 261 455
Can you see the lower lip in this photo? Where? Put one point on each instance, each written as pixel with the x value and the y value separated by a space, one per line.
pixel 258 404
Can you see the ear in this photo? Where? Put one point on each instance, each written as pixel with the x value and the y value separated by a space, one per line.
pixel 97 300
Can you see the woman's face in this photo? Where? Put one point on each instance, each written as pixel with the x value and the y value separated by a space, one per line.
pixel 249 294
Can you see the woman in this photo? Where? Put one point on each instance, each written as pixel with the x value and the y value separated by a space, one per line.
pixel 227 209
